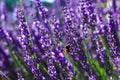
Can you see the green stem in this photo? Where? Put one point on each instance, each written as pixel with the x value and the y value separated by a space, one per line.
pixel 2 74
pixel 115 76
pixel 94 64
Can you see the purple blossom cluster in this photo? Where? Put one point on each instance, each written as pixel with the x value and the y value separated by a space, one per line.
pixel 69 40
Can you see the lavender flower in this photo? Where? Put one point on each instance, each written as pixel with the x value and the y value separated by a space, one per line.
pixel 25 41
pixel 20 77
pixel 63 40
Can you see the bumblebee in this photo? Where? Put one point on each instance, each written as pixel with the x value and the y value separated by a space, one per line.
pixel 67 49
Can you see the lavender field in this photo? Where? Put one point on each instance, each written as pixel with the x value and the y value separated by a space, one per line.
pixel 59 39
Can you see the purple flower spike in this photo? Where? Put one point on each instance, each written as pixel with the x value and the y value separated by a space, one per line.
pixel 26 45
pixel 5 35
pixel 20 77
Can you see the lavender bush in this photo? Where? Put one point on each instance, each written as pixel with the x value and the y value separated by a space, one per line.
pixel 60 40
